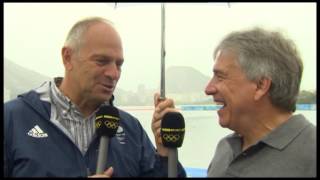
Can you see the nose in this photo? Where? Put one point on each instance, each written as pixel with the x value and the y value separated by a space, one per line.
pixel 112 71
pixel 211 89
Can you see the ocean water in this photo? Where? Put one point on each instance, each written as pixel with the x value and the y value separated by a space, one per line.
pixel 202 134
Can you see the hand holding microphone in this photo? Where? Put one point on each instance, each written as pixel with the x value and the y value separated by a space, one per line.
pixel 162 106
pixel 169 128
pixel 107 123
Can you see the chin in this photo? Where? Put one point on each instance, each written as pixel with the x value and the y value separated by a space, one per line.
pixel 223 122
pixel 103 97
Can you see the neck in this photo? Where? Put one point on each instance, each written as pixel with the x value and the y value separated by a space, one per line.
pixel 262 123
pixel 82 102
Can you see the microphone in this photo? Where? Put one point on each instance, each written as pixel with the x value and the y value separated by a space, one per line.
pixel 106 123
pixel 172 135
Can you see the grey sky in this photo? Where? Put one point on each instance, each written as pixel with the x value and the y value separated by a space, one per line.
pixel 34 34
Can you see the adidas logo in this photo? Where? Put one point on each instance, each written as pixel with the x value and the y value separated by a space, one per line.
pixel 36 132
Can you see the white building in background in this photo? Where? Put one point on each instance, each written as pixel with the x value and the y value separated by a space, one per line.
pixel 6 94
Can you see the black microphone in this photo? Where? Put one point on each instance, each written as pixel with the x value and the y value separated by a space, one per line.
pixel 172 135
pixel 106 123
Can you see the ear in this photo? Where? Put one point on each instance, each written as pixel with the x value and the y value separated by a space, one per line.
pixel 66 53
pixel 263 86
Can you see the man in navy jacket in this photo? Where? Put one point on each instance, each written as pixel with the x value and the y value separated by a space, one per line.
pixel 49 131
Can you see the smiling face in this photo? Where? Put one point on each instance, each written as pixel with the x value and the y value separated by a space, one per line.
pixel 95 69
pixel 230 88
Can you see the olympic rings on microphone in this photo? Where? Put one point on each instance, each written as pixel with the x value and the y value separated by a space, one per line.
pixel 112 125
pixel 171 137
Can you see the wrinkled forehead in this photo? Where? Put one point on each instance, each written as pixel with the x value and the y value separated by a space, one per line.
pixel 226 58
pixel 226 54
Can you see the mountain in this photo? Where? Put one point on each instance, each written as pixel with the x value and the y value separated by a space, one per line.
pixel 18 79
pixel 183 84
pixel 186 85
pixel 183 79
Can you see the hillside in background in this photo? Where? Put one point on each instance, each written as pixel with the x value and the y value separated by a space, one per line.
pixel 183 79
pixel 183 84
pixel 18 79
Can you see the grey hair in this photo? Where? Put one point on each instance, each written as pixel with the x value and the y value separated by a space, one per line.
pixel 75 36
pixel 268 54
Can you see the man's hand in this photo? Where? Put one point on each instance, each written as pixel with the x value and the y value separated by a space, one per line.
pixel 106 174
pixel 162 106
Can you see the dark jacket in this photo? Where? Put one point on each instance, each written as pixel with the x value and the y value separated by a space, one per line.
pixel 52 154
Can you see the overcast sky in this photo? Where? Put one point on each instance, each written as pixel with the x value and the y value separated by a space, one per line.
pixel 35 32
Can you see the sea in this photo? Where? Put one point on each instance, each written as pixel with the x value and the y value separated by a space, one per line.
pixel 202 133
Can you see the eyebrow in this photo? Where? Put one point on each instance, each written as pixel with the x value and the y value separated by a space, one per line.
pixel 219 72
pixel 105 57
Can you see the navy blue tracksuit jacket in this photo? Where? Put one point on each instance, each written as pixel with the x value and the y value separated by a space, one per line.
pixel 53 154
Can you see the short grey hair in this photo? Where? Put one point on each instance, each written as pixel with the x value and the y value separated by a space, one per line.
pixel 268 54
pixel 75 36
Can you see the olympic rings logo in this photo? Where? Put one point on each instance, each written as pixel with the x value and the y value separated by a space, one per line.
pixel 171 137
pixel 112 125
